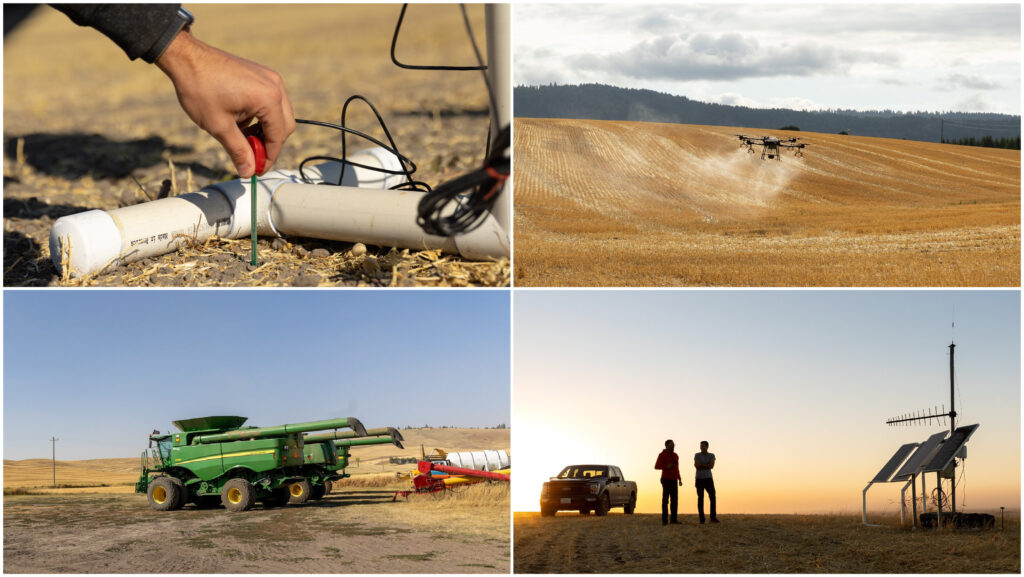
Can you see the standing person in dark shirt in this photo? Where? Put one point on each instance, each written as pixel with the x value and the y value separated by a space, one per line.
pixel 704 462
pixel 668 463
pixel 220 92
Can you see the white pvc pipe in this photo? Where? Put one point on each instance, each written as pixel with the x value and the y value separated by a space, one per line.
pixel 96 239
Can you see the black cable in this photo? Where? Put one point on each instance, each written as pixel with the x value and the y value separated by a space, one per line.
pixel 435 213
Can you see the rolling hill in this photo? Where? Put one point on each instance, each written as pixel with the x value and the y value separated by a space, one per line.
pixel 119 475
pixel 601 203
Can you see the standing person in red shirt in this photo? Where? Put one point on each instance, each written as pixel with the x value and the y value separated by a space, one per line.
pixel 668 463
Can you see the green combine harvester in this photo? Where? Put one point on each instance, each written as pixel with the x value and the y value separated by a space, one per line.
pixel 327 456
pixel 215 461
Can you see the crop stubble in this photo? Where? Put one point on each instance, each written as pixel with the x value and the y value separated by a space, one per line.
pixel 634 204
pixel 571 543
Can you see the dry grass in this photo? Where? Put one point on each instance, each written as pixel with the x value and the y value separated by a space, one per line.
pixel 755 544
pixel 371 480
pixel 85 128
pixel 643 204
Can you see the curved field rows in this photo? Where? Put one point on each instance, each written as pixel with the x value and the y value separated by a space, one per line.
pixel 646 204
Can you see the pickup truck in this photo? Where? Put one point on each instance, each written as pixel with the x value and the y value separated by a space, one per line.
pixel 586 488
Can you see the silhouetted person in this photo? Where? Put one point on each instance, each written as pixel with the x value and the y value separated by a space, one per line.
pixel 704 462
pixel 668 463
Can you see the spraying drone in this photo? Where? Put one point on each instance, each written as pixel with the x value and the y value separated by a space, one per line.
pixel 771 145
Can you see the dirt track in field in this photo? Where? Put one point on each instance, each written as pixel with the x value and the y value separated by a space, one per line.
pixel 90 123
pixel 645 204
pixel 354 530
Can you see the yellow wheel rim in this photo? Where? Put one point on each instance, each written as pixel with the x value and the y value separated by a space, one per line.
pixel 159 495
pixel 296 489
pixel 235 496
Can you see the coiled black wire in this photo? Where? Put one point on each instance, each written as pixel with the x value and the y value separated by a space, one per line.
pixel 434 213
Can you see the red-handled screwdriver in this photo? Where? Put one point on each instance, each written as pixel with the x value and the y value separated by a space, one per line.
pixel 254 136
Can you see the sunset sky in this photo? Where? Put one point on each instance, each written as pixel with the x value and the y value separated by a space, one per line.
pixel 791 389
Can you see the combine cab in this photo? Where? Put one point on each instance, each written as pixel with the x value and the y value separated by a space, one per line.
pixel 215 461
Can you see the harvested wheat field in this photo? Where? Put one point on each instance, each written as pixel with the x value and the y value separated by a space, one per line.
pixel 570 543
pixel 85 128
pixel 94 523
pixel 603 203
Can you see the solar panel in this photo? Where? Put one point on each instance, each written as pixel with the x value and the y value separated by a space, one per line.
pixel 920 457
pixel 896 460
pixel 949 448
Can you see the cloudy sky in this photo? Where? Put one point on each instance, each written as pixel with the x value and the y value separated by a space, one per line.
pixel 963 57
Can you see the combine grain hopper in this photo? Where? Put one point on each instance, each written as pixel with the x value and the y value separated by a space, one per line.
pixel 214 460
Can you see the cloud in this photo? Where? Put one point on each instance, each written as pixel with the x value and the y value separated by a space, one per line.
pixel 728 56
pixel 958 81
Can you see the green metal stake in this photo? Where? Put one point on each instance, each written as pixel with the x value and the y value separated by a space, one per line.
pixel 255 257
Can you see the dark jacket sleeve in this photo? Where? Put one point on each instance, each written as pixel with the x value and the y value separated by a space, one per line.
pixel 141 30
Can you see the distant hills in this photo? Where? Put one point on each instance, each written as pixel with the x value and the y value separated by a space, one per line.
pixel 602 102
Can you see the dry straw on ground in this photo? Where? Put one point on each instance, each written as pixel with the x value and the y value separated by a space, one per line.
pixel 755 544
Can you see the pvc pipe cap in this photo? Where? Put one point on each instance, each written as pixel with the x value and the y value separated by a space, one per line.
pixel 94 240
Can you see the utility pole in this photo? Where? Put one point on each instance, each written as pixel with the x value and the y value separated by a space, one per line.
pixel 53 457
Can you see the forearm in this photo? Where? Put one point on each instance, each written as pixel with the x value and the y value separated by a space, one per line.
pixel 142 30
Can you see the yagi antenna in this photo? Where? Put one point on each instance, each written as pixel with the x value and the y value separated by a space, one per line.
pixel 933 413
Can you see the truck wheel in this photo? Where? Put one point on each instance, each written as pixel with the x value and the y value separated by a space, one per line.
pixel 237 495
pixel 164 494
pixel 328 487
pixel 630 506
pixel 545 512
pixel 278 498
pixel 300 492
pixel 318 492
pixel 603 504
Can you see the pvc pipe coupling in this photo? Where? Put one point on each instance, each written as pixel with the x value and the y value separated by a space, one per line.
pixel 363 209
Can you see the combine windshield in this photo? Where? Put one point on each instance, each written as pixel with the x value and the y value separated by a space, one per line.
pixel 583 472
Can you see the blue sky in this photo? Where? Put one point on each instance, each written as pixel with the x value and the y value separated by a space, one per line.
pixel 791 388
pixel 101 369
pixel 919 56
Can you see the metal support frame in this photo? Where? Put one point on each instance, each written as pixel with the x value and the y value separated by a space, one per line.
pixel 498 21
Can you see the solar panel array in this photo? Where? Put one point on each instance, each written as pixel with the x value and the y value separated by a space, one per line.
pixel 923 453
pixel 949 448
pixel 896 460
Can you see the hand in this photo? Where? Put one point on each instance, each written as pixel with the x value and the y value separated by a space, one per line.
pixel 222 93
pixel 680 482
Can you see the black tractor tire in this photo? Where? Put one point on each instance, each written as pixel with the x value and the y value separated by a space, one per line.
pixel 206 501
pixel 300 492
pixel 183 499
pixel 631 505
pixel 328 487
pixel 318 492
pixel 164 494
pixel 603 504
pixel 278 498
pixel 546 512
pixel 238 495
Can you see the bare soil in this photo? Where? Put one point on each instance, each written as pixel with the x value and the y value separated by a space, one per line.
pixel 570 543
pixel 85 128
pixel 353 530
